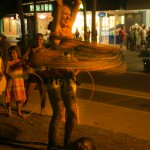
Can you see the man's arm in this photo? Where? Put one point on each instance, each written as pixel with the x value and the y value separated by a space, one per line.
pixel 24 56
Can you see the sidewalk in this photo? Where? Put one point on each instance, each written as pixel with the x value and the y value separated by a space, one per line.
pixel 111 127
pixel 134 62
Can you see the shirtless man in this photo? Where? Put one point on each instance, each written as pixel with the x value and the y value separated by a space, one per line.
pixel 62 87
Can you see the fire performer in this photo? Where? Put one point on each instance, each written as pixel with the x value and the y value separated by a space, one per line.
pixel 65 58
pixel 62 87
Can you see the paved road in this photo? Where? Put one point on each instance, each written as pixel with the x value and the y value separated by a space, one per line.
pixel 115 96
pixel 132 81
pixel 129 90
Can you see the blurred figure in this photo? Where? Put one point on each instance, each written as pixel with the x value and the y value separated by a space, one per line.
pixel 4 46
pixel 122 35
pixel 83 143
pixel 2 77
pixel 140 36
pixel 130 41
pixel 88 35
pixel 148 38
pixel 77 34
pixel 136 39
pixel 143 37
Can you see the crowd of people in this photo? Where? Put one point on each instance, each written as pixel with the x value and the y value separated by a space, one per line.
pixel 137 38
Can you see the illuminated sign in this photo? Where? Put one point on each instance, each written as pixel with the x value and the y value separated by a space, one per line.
pixel 101 14
pixel 42 7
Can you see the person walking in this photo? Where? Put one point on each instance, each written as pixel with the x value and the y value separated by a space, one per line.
pixel 15 89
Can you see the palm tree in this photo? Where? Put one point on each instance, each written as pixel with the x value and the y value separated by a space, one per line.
pixel 20 12
pixel 35 18
pixel 85 24
pixel 94 34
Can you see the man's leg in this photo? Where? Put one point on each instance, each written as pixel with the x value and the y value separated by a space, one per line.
pixel 30 88
pixel 43 97
pixel 69 98
pixel 58 111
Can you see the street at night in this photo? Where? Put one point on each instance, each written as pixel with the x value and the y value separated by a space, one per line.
pixel 74 75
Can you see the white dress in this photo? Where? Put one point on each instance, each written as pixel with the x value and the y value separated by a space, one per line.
pixel 3 81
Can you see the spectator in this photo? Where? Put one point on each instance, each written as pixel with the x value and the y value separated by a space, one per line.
pixel 88 35
pixel 136 39
pixel 143 37
pixel 4 46
pixel 130 39
pixel 148 38
pixel 77 34
pixel 15 90
pixel 2 78
pixel 122 35
pixel 34 79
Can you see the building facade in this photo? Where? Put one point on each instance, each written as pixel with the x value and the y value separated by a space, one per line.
pixel 108 20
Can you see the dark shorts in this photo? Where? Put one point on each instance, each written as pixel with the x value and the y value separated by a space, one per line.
pixel 40 77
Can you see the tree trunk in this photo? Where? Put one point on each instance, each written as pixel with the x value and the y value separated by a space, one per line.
pixel 85 23
pixel 94 31
pixel 21 16
pixel 35 19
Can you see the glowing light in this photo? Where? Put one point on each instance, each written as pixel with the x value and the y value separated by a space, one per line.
pixel 12 18
pixel 42 16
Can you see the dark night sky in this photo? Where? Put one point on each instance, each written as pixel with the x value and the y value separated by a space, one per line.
pixel 8 6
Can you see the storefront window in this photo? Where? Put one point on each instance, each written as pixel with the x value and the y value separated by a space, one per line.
pixel 112 22
pixel 42 7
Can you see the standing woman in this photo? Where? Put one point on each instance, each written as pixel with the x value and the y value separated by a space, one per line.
pixel 63 94
pixel 15 90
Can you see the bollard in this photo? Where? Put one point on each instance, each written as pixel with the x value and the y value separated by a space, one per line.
pixel 146 63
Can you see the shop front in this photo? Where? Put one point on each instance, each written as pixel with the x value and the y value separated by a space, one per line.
pixel 11 27
pixel 108 23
